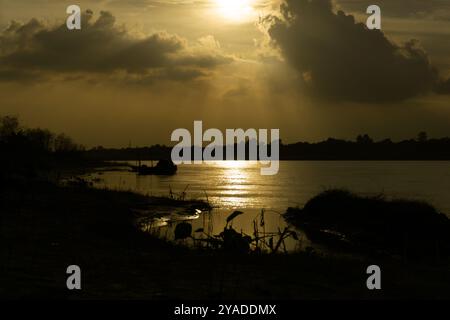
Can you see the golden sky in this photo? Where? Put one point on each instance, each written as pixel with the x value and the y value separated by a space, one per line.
pixel 139 69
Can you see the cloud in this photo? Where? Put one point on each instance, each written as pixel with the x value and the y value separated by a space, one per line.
pixel 101 47
pixel 339 59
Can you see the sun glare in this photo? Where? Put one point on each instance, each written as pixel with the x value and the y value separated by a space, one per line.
pixel 235 10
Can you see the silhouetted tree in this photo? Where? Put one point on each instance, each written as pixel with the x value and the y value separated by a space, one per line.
pixel 41 138
pixel 64 144
pixel 364 139
pixel 9 126
pixel 422 137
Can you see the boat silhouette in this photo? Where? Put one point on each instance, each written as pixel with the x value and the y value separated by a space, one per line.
pixel 162 168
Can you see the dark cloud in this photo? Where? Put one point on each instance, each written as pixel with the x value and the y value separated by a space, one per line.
pixel 100 47
pixel 23 76
pixel 443 87
pixel 340 59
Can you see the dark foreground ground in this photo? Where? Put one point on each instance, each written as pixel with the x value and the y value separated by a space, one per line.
pixel 45 228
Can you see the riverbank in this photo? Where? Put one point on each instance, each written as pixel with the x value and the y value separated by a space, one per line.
pixel 412 230
pixel 46 227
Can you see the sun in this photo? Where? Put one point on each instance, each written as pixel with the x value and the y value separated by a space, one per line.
pixel 235 10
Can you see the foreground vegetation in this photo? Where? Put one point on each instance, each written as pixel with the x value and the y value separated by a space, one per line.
pixel 45 228
pixel 412 230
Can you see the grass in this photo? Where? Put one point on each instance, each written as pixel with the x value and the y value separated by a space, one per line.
pixel 412 229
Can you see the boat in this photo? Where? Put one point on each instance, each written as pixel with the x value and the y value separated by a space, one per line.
pixel 162 168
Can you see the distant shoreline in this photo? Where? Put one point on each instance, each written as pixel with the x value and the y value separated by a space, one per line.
pixel 363 149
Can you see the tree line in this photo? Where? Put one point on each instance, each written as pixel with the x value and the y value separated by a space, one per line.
pixel 32 152
pixel 362 148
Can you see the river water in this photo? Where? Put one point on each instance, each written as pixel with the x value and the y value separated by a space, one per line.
pixel 239 185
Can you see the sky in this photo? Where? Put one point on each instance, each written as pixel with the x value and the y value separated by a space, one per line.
pixel 139 69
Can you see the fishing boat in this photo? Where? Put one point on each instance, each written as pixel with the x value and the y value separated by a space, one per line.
pixel 162 168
